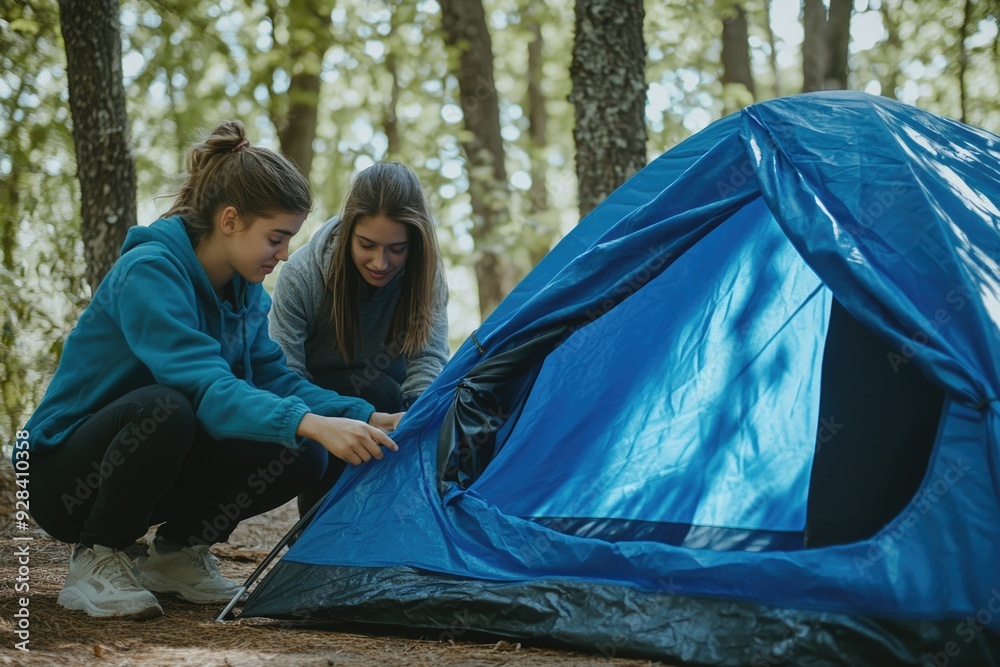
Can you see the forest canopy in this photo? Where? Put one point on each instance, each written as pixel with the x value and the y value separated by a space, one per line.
pixel 340 84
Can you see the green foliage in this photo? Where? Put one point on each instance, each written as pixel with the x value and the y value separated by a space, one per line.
pixel 683 65
pixel 190 64
pixel 41 274
pixel 531 231
pixel 927 54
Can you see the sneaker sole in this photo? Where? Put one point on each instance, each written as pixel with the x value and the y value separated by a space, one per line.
pixel 156 585
pixel 74 600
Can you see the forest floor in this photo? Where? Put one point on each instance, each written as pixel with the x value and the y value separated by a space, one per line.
pixel 186 634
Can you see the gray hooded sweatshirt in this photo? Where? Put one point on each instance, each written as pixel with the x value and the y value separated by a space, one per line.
pixel 300 322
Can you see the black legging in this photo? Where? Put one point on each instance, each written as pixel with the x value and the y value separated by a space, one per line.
pixel 143 460
pixel 382 391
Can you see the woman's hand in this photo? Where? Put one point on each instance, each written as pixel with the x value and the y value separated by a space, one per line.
pixel 386 421
pixel 348 439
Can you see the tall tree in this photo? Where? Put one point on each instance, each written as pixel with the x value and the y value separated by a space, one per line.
pixel 889 76
pixel 838 37
pixel 813 45
pixel 465 32
pixel 772 49
pixel 825 44
pixel 963 59
pixel 390 120
pixel 609 95
pixel 105 165
pixel 736 72
pixel 309 38
pixel 538 120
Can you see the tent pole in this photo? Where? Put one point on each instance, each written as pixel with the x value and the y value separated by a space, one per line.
pixel 226 613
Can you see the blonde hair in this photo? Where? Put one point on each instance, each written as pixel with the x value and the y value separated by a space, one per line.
pixel 389 189
pixel 224 170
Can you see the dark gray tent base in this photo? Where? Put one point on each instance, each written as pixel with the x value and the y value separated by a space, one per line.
pixel 613 620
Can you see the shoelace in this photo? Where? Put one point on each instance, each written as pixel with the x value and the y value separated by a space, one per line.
pixel 120 575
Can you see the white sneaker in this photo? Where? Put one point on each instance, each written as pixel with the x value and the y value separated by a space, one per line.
pixel 102 583
pixel 188 572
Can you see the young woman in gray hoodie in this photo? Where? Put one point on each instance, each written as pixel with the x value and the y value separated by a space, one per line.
pixel 362 308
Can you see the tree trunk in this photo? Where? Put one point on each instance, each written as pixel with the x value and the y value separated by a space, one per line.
pixel 391 122
pixel 8 226
pixel 465 31
pixel 538 120
pixel 813 45
pixel 736 59
pixel 838 37
pixel 105 165
pixel 538 117
pixel 963 61
pixel 609 96
pixel 889 80
pixel 773 47
pixel 309 37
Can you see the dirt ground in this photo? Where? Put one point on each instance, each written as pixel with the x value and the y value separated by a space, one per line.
pixel 186 634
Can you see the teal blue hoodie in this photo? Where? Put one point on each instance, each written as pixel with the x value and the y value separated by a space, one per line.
pixel 155 319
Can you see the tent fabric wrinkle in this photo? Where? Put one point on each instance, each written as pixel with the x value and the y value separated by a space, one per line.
pixel 748 402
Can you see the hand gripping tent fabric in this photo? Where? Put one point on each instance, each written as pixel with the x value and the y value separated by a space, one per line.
pixel 745 413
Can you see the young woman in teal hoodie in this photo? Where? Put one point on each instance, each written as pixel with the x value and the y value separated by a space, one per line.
pixel 171 404
pixel 362 309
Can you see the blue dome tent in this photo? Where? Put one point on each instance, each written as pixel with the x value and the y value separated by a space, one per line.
pixel 744 413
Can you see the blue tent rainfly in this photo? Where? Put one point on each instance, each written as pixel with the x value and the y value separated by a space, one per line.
pixel 746 412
